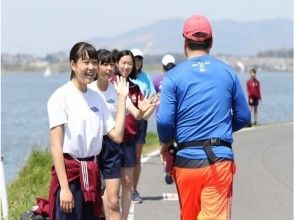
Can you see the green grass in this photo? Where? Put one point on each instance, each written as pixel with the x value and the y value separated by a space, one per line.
pixel 152 143
pixel 33 179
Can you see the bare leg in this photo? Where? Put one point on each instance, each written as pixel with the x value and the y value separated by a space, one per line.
pixel 255 114
pixel 137 170
pixel 111 199
pixel 127 185
pixel 251 111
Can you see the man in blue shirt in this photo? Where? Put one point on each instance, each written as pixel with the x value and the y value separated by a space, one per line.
pixel 201 105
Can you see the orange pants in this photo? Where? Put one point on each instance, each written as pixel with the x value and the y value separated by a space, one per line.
pixel 205 193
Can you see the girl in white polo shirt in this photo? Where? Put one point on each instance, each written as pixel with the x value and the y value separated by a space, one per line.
pixel 111 156
pixel 78 119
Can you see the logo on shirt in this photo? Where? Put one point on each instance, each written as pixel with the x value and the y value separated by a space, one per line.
pixel 134 98
pixel 201 66
pixel 111 101
pixel 94 109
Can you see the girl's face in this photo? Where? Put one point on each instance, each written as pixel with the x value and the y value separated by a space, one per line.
pixel 84 70
pixel 125 66
pixel 139 63
pixel 252 74
pixel 105 71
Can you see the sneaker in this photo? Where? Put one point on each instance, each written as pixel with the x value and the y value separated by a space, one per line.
pixel 136 198
pixel 27 215
pixel 168 179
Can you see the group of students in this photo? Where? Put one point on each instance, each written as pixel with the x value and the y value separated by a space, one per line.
pixel 98 123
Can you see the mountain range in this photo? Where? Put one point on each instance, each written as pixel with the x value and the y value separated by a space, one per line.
pixel 230 37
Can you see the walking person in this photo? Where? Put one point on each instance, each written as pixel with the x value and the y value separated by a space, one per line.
pixel 78 119
pixel 125 67
pixel 201 104
pixel 254 94
pixel 144 81
pixel 110 157
pixel 168 62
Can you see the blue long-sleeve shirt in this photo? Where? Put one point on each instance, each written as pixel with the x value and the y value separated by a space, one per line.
pixel 201 98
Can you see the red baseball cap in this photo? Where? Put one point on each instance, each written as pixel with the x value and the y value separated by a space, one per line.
pixel 197 28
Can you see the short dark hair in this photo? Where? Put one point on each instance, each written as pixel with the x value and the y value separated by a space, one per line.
pixel 115 52
pixel 253 70
pixel 81 50
pixel 105 56
pixel 194 45
pixel 169 66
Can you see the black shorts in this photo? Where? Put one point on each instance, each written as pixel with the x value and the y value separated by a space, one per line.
pixel 254 101
pixel 110 159
pixel 141 132
pixel 129 154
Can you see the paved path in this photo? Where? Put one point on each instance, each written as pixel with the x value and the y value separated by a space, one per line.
pixel 263 186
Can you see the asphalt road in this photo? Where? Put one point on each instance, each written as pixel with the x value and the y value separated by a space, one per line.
pixel 263 184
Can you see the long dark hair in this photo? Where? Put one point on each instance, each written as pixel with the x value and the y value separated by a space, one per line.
pixel 133 74
pixel 81 50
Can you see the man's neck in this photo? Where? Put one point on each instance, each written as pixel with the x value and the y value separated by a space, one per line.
pixel 196 53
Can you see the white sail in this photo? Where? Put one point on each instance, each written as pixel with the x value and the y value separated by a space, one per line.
pixel 47 72
pixel 240 66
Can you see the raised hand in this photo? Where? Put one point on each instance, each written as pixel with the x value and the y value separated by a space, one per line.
pixel 146 103
pixel 154 99
pixel 121 86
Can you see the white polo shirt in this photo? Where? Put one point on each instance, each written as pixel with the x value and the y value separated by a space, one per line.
pixel 110 97
pixel 85 118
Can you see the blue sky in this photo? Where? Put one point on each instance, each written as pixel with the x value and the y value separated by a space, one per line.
pixel 43 26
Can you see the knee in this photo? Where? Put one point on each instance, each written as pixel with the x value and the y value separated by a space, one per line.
pixel 113 203
pixel 126 183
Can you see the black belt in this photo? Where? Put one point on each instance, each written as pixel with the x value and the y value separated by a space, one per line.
pixel 206 146
pixel 92 158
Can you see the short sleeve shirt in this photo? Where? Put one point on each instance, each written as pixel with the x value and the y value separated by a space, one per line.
pixel 109 96
pixel 85 118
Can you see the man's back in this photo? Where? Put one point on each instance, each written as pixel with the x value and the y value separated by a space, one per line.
pixel 201 104
pixel 199 94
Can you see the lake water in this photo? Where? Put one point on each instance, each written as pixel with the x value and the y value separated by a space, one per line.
pixel 24 114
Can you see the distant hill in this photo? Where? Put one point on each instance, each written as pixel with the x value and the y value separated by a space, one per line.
pixel 230 37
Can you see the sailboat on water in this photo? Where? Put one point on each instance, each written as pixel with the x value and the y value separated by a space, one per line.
pixel 240 67
pixel 47 72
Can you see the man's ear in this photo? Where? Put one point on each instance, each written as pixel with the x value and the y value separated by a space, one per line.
pixel 185 47
pixel 211 42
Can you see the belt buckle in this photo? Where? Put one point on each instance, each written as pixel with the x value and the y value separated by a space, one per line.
pixel 214 141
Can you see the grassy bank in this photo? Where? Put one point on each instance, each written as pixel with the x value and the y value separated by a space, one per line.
pixel 33 179
pixel 32 182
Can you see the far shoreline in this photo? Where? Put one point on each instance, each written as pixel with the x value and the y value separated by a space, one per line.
pixel 149 70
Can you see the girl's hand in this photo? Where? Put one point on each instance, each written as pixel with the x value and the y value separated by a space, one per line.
pixel 66 200
pixel 146 103
pixel 154 99
pixel 121 86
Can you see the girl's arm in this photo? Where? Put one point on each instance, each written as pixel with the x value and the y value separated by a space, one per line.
pixel 66 197
pixel 122 88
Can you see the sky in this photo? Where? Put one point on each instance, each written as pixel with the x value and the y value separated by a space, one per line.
pixel 39 27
